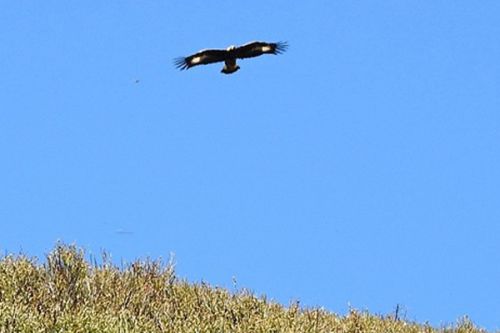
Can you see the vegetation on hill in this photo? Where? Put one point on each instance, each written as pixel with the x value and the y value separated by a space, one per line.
pixel 68 293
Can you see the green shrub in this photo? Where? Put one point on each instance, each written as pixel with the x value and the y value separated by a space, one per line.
pixel 70 294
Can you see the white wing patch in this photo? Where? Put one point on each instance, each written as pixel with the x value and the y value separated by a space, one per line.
pixel 195 60
pixel 266 48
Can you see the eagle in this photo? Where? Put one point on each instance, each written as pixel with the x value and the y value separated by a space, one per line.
pixel 229 55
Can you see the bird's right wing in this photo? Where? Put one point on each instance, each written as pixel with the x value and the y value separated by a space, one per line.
pixel 255 49
pixel 203 57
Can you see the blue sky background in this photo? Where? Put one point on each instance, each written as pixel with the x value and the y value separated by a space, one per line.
pixel 361 167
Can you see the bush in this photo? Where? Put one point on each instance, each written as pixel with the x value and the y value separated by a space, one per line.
pixel 70 294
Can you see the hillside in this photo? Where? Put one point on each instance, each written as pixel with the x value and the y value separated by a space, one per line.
pixel 68 293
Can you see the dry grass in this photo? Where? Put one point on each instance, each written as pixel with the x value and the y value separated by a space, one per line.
pixel 71 294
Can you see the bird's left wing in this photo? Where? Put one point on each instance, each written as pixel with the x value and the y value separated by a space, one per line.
pixel 255 49
pixel 203 57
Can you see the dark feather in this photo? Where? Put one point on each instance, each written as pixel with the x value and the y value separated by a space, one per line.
pixel 255 49
pixel 203 57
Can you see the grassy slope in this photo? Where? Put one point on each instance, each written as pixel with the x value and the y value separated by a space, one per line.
pixel 69 294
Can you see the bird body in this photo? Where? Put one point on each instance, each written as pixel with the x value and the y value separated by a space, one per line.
pixel 230 55
pixel 230 62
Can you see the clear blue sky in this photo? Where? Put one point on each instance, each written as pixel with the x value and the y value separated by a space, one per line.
pixel 361 167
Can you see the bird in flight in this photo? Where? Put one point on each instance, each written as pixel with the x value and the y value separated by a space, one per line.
pixel 229 55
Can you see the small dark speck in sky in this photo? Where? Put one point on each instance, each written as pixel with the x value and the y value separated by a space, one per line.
pixel 123 232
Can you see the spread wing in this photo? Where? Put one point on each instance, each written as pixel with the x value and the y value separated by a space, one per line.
pixel 203 57
pixel 255 49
